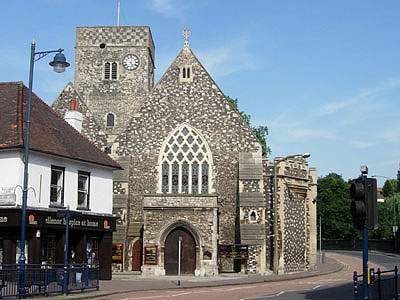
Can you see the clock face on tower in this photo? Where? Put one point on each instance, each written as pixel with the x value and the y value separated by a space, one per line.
pixel 130 62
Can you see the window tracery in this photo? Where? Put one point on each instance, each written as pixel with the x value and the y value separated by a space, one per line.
pixel 185 163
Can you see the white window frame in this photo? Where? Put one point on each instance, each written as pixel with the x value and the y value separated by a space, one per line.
pixel 59 186
pixel 85 190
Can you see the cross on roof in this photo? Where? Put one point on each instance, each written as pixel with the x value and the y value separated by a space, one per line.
pixel 186 33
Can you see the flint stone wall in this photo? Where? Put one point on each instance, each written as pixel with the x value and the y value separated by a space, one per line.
pixel 203 106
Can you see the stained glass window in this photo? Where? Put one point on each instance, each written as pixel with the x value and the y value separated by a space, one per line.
pixel 195 178
pixel 204 178
pixel 181 158
pixel 185 177
pixel 175 177
pixel 165 177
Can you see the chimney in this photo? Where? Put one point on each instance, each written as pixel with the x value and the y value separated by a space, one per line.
pixel 73 116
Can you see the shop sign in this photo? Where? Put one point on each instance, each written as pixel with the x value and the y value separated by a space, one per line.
pixel 150 255
pixel 7 196
pixel 36 218
pixel 234 251
pixel 117 252
pixel 31 220
pixel 74 222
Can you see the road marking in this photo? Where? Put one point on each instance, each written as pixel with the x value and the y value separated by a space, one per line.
pixel 316 287
pixel 158 296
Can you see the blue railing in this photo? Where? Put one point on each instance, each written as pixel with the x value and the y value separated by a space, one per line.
pixel 46 279
pixel 383 285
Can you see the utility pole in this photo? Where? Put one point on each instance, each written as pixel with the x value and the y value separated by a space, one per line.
pixel 119 4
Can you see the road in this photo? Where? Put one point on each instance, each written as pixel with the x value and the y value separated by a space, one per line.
pixel 340 291
pixel 384 261
pixel 328 287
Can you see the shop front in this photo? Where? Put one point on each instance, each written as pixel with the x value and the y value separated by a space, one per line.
pixel 90 238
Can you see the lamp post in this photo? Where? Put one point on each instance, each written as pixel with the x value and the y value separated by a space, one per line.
pixel 277 229
pixel 59 64
pixel 67 214
pixel 394 212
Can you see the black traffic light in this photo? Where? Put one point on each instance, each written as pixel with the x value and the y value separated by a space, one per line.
pixel 372 206
pixel 363 206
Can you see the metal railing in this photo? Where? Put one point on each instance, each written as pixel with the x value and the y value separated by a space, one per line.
pixel 383 285
pixel 46 279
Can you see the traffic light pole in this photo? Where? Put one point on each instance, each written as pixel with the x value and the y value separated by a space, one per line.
pixel 365 260
pixel 363 208
pixel 365 254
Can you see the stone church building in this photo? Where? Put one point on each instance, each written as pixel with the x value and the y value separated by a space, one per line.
pixel 194 175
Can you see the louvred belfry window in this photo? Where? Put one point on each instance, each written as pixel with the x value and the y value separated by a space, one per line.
pixel 185 163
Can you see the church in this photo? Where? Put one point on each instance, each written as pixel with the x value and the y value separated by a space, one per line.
pixel 194 185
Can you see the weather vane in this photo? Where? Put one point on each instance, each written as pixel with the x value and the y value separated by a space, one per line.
pixel 186 33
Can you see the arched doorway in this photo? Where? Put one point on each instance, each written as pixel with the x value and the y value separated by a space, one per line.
pixel 137 256
pixel 188 252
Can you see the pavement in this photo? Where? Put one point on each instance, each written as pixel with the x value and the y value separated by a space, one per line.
pixel 130 282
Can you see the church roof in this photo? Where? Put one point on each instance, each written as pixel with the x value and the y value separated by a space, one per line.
pixel 49 133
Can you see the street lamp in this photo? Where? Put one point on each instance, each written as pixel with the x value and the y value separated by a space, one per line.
pixel 278 233
pixel 59 64
pixel 394 212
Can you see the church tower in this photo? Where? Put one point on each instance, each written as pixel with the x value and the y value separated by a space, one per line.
pixel 114 72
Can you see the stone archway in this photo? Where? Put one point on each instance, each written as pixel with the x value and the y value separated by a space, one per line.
pixel 188 252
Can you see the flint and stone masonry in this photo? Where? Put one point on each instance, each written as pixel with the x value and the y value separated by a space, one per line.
pixel 193 169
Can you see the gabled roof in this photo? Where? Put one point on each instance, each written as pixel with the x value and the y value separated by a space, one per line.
pixel 49 133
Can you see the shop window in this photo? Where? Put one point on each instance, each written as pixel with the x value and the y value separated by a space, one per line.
pixel 48 250
pixel 83 189
pixel 1 251
pixel 57 186
pixel 92 251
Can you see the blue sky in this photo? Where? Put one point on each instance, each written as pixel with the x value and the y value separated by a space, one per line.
pixel 324 76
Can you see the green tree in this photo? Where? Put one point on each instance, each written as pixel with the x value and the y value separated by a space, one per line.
pixel 260 132
pixel 333 205
pixel 389 187
pixel 385 220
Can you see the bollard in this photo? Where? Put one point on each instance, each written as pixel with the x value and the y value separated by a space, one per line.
pixel 379 284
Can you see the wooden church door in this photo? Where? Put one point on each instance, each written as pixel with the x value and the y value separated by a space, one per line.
pixel 188 252
pixel 137 256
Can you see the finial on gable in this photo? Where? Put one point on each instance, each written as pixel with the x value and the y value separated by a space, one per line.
pixel 186 33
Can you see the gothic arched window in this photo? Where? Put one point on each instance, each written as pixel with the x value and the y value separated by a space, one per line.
pixel 185 163
pixel 107 70
pixel 110 70
pixel 114 70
